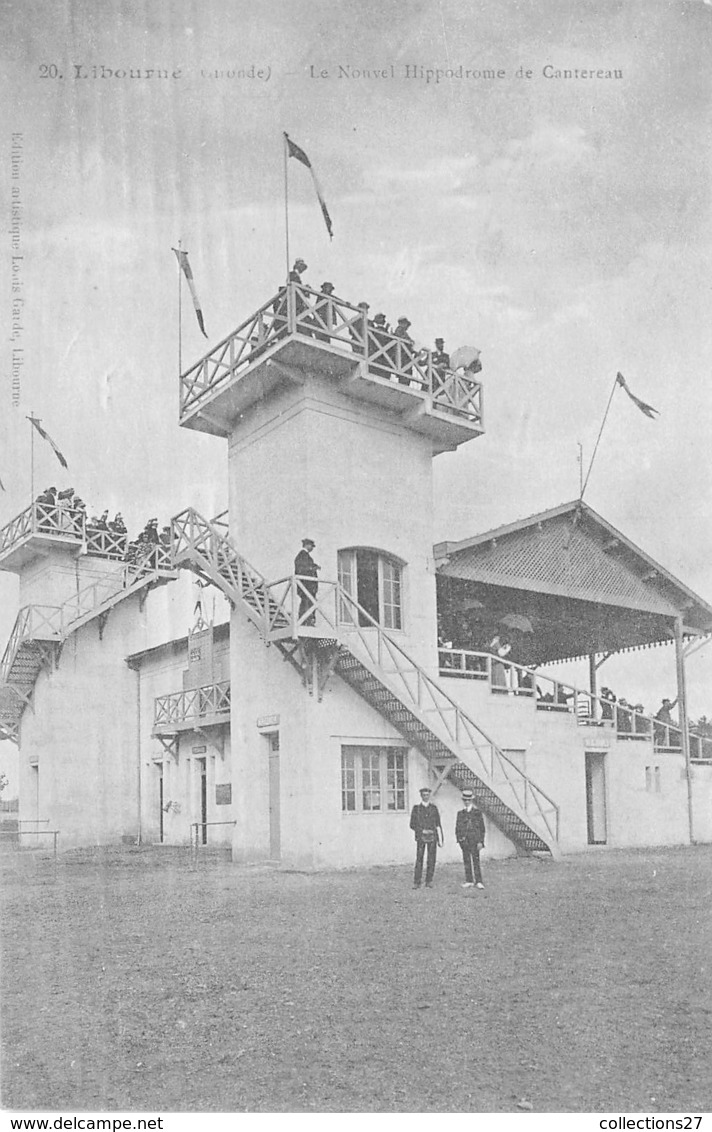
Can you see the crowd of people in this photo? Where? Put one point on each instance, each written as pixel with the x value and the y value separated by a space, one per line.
pixel 392 351
pixel 67 511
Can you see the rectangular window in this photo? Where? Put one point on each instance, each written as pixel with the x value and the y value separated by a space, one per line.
pixel 365 771
pixel 652 779
pixel 371 781
pixel 395 780
pixel 348 783
pixel 347 581
pixel 391 594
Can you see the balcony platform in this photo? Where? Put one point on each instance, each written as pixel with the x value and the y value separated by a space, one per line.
pixel 38 530
pixel 301 332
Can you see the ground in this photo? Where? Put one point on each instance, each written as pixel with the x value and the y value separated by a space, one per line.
pixel 133 981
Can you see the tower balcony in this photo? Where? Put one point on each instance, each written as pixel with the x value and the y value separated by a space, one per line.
pixel 44 526
pixel 301 331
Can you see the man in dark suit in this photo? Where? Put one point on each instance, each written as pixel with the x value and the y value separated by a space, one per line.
pixel 428 830
pixel 306 570
pixel 470 836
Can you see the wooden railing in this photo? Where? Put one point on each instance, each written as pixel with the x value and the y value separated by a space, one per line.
pixel 297 309
pixel 334 613
pixel 44 519
pixel 506 678
pixel 192 704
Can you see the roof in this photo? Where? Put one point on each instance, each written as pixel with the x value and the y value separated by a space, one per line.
pixel 582 584
pixel 136 659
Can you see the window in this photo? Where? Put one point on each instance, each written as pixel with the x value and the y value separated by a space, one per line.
pixel 374 580
pixel 652 779
pixel 373 780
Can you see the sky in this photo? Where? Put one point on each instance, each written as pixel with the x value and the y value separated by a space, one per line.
pixel 562 226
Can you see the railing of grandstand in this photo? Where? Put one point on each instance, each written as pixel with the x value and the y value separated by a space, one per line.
pixel 334 614
pixel 44 519
pixel 297 309
pixel 69 522
pixel 33 622
pixel 192 704
pixel 506 678
pixel 105 543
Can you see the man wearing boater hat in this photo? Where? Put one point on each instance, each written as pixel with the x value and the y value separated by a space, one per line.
pixel 470 836
pixel 306 570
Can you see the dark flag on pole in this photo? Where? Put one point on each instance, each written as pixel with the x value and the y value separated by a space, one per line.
pixel 2 485
pixel 295 151
pixel 182 258
pixel 48 438
pixel 644 408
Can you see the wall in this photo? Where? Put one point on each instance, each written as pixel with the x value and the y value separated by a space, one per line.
pixel 554 758
pixel 312 462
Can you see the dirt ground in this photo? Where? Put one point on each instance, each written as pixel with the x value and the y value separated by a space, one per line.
pixel 132 982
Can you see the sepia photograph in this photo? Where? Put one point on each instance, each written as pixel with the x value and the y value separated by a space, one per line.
pixel 355 561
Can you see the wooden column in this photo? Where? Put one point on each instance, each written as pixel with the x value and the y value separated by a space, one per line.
pixel 592 684
pixel 682 709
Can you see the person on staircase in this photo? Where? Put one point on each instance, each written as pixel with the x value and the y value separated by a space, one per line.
pixel 427 828
pixel 470 836
pixel 306 570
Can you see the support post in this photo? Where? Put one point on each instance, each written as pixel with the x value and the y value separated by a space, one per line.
pixel 592 684
pixel 682 708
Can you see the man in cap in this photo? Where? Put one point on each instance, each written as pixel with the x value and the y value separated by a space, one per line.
pixel 470 836
pixel 379 333
pixel 427 828
pixel 403 357
pixel 301 304
pixel 306 570
pixel 323 316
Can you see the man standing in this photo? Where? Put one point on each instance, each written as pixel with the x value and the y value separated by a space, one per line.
pixel 470 836
pixel 306 570
pixel 428 830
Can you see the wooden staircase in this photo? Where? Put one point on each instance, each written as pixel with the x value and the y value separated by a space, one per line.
pixel 40 630
pixel 336 635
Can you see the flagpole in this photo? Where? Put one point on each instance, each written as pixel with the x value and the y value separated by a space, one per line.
pixel 598 441
pixel 32 459
pixel 286 202
pixel 180 314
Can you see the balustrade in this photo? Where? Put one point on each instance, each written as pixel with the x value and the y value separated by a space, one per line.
pixel 192 705
pixel 296 309
pixel 505 677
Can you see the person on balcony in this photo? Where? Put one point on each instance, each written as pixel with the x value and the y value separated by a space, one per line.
pixel 301 305
pixel 323 316
pixel 306 570
pixel 470 836
pixel 441 365
pixel 403 356
pixel 428 831
pixel 379 335
pixel 47 515
pixel 665 737
pixel 501 648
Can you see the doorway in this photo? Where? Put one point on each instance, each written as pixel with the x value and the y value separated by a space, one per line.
pixel 275 840
pixel 202 770
pixel 596 798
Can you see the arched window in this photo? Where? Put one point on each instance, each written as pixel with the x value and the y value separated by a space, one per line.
pixel 374 580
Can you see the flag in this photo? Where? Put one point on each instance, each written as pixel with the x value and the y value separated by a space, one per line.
pixel 48 438
pixel 182 258
pixel 295 151
pixel 644 408
pixel 2 485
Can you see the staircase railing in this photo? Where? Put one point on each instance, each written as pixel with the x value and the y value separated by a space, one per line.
pixel 285 609
pixel 334 613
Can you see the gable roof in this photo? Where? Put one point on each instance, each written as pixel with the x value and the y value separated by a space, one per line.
pixel 570 551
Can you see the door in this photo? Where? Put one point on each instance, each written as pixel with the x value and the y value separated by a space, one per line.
pixel 275 847
pixel 160 804
pixel 596 798
pixel 203 799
